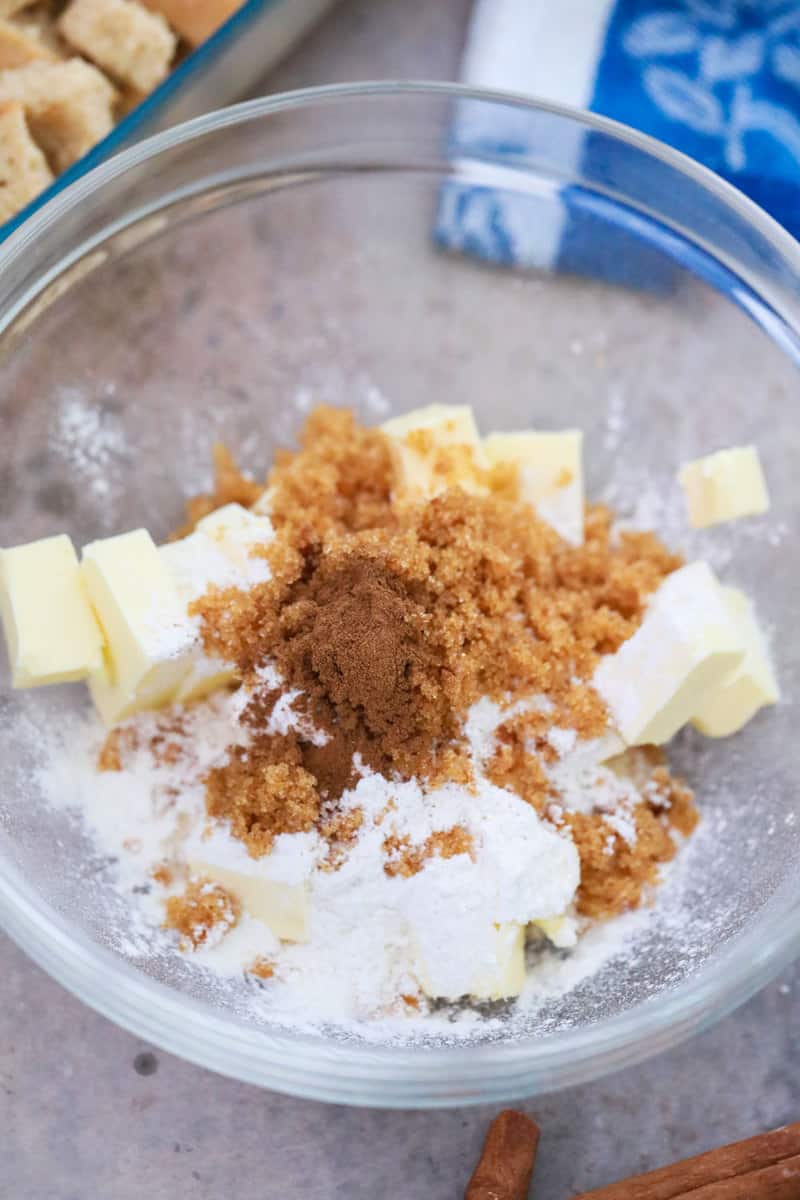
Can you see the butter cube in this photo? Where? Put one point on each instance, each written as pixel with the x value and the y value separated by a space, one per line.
pixel 498 975
pixel 724 486
pixel 195 564
pixel 263 505
pixel 747 687
pixel 436 448
pixel 238 531
pixel 148 637
pixel 561 931
pixel 551 475
pixel 285 908
pixel 685 646
pixel 51 631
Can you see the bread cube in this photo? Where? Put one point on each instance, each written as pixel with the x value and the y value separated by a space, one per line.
pixel 23 168
pixel 134 45
pixel 20 45
pixel 68 106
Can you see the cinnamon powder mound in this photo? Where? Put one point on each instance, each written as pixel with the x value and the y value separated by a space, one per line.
pixel 202 908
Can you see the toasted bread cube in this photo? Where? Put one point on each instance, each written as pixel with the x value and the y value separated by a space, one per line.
pixel 195 20
pixel 19 46
pixel 39 23
pixel 68 106
pixel 23 168
pixel 134 45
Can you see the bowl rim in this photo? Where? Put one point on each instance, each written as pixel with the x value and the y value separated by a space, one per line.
pixel 301 1063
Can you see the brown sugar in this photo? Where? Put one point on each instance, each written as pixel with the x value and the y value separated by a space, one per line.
pixel 391 620
pixel 262 968
pixel 616 873
pixel 403 858
pixel 118 744
pixel 162 874
pixel 391 633
pixel 231 486
pixel 340 481
pixel 262 798
pixel 202 908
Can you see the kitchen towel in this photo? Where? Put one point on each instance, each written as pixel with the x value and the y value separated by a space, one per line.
pixel 717 79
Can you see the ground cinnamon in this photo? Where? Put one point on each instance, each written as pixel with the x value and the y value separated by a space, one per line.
pixel 505 1168
pixel 766 1166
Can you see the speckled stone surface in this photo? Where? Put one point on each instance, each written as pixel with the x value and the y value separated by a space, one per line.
pixel 88 1113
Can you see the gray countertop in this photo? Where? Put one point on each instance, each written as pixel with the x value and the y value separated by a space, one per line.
pixel 88 1112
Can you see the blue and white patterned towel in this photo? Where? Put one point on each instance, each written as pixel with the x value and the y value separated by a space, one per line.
pixel 717 79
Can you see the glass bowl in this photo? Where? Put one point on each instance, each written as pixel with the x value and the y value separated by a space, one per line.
pixel 387 246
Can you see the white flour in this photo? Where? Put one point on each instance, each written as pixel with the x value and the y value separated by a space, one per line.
pixel 90 440
pixel 374 936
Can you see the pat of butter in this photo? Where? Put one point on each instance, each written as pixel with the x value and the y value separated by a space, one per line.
pixel 218 554
pixel 724 486
pixel 52 634
pixel 550 469
pixel 436 448
pixel 148 637
pixel 749 686
pixel 561 931
pixel 685 646
pixel 195 564
pixel 499 975
pixel 285 908
pixel 263 505
pixel 238 531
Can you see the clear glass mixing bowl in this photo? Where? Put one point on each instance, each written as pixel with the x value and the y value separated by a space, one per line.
pixel 224 276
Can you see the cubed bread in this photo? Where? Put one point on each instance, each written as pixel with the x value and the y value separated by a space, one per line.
pixel 68 106
pixel 20 45
pixel 39 22
pixel 23 168
pixel 195 20
pixel 134 45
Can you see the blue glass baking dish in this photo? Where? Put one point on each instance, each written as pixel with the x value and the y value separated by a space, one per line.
pixel 219 71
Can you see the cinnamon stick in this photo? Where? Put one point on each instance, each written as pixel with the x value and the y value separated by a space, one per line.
pixel 781 1181
pixel 747 1169
pixel 505 1167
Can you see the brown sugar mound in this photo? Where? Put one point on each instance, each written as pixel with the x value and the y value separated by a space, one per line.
pixel 231 486
pixel 403 858
pixel 339 481
pixel 202 908
pixel 262 968
pixel 392 619
pixel 393 632
pixel 262 798
pixel 615 873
